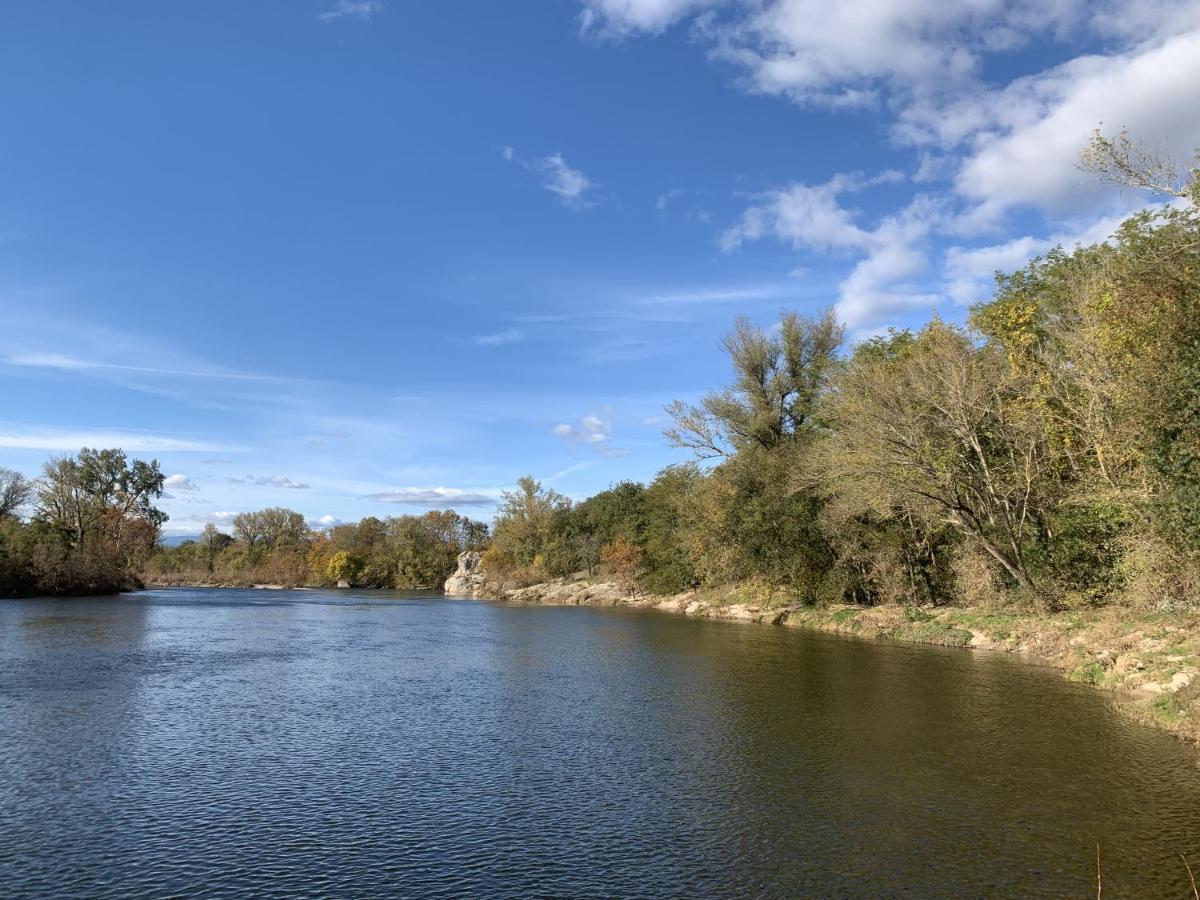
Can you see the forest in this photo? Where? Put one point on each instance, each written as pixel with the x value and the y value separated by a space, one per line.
pixel 275 546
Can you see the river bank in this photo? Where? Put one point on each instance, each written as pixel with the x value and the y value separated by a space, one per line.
pixel 1148 660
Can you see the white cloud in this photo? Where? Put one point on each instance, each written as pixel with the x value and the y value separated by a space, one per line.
pixel 881 285
pixel 277 481
pixel 570 185
pixel 69 363
pixel 1040 124
pixel 714 295
pixel 19 437
pixel 891 253
pixel 351 9
pixel 809 216
pixel 1002 145
pixel 616 17
pixel 439 497
pixel 180 483
pixel 324 523
pixel 194 524
pixel 594 431
pixel 969 270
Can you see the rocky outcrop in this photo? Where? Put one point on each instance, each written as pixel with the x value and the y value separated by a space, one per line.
pixel 467 580
pixel 470 580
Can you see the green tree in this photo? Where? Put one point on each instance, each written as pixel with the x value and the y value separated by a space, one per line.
pixel 779 377
pixel 526 521
pixel 938 427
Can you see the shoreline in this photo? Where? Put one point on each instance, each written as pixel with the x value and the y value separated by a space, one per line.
pixel 1148 661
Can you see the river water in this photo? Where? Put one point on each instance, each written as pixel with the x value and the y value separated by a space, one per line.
pixel 235 743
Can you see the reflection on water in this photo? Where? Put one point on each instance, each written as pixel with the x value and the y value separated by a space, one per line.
pixel 350 743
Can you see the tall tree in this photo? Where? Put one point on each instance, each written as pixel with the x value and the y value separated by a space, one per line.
pixel 934 424
pixel 15 492
pixel 779 376
pixel 101 493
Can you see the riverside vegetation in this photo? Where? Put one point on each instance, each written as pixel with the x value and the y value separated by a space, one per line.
pixel 1030 480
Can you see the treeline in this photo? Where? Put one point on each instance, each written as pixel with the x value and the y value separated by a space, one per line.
pixel 92 528
pixel 1050 449
pixel 275 546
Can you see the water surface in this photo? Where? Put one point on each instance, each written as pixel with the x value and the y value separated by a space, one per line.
pixel 228 743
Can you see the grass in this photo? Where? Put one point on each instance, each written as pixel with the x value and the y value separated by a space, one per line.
pixel 934 632
pixel 1088 673
pixel 846 616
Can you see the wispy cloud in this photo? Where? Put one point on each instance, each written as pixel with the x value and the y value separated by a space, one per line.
pixel 569 470
pixel 68 363
pixel 25 438
pixel 736 294
pixel 277 481
pixel 570 185
pixel 439 497
pixel 351 9
pixel 499 338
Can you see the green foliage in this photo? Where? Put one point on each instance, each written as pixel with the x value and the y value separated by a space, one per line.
pixel 343 566
pixel 530 519
pixel 1088 673
pixel 274 547
pixel 93 527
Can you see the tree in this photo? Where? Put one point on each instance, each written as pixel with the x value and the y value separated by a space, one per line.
pixel 210 545
pixel 269 529
pixel 15 491
pixel 525 522
pixel 779 377
pixel 623 559
pixel 1122 160
pixel 99 495
pixel 936 426
pixel 343 568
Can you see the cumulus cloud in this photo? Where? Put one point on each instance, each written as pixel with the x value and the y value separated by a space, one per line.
pixel 1040 124
pixel 324 523
pixel 180 483
pixel 988 147
pixel 594 431
pixel 439 497
pixel 969 270
pixel 278 481
pixel 805 216
pixel 890 253
pixel 574 189
pixel 350 9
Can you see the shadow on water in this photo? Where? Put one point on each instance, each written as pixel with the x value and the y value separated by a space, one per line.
pixel 349 743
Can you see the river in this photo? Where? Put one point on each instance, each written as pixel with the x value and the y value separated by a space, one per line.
pixel 309 743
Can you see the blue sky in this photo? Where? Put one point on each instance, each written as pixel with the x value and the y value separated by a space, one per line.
pixel 375 256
